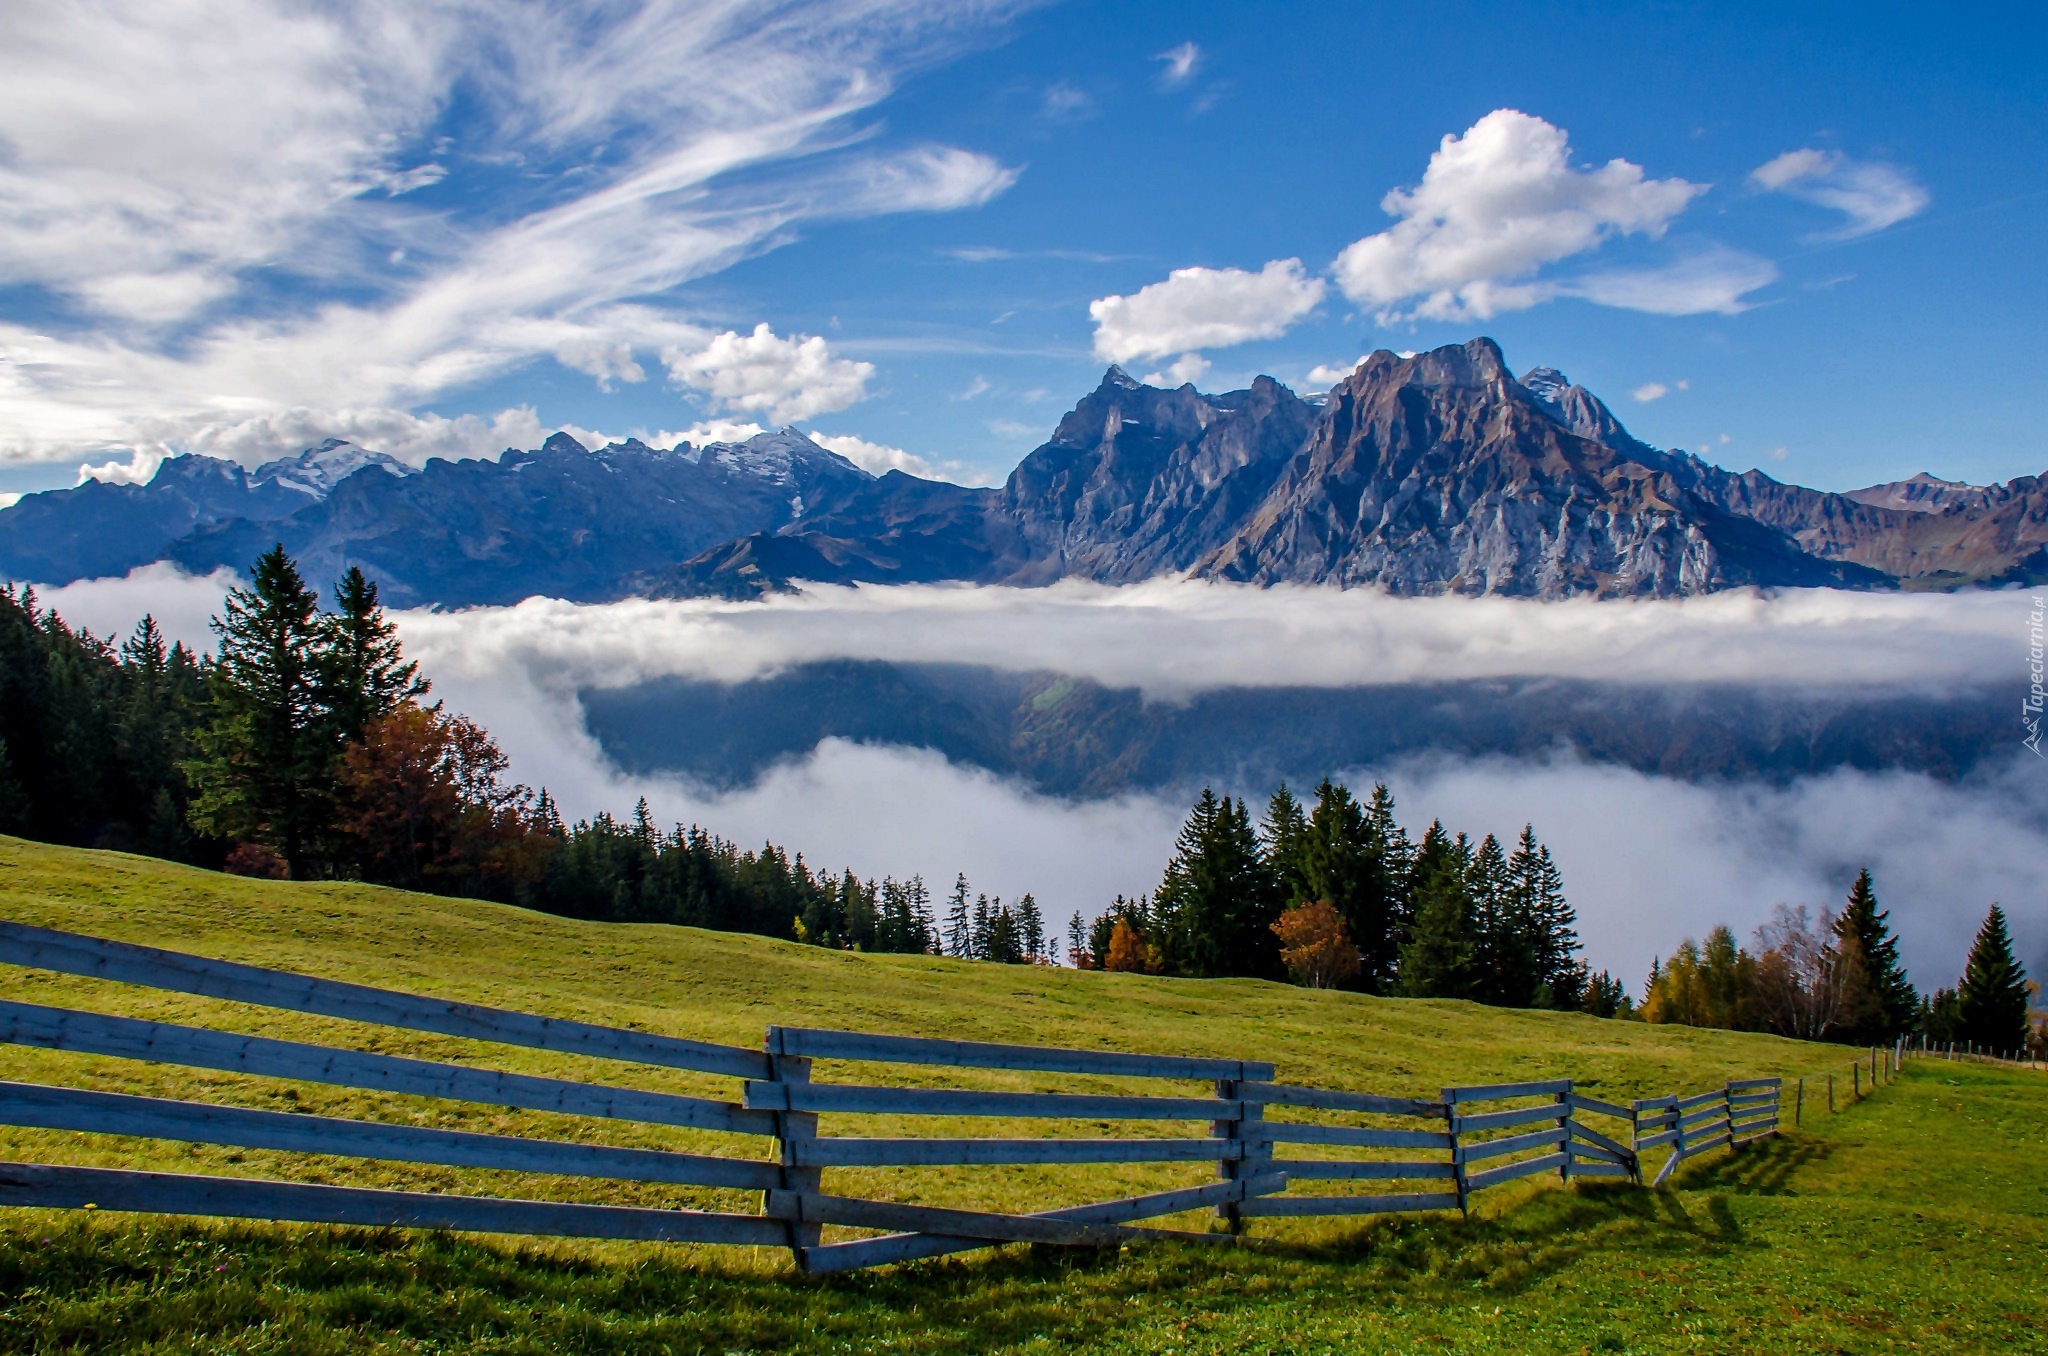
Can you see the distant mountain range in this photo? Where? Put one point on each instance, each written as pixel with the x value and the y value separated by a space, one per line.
pixel 1437 473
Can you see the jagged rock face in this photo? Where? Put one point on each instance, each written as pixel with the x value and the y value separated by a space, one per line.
pixel 1924 493
pixel 1441 473
pixel 563 521
pixel 1138 482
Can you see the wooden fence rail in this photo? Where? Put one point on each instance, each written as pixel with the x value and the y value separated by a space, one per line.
pixel 1443 1150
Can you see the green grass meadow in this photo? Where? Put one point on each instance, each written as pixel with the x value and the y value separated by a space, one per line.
pixel 1912 1220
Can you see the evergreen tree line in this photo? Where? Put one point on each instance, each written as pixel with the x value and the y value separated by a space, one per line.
pixel 1338 895
pixel 1841 979
pixel 305 749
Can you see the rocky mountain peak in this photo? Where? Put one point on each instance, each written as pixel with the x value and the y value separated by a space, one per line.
pixel 317 470
pixel 562 443
pixel 1116 376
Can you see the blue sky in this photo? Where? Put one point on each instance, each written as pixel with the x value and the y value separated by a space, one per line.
pixel 233 227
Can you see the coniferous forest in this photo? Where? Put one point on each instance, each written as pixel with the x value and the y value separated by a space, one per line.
pixel 307 747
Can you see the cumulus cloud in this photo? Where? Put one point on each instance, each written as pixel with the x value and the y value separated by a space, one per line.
pixel 1181 64
pixel 1869 194
pixel 1198 308
pixel 1494 206
pixel 785 379
pixel 1186 368
pixel 165 158
pixel 880 458
pixel 1328 374
pixel 1646 859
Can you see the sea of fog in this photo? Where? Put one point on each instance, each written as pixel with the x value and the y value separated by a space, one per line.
pixel 1646 859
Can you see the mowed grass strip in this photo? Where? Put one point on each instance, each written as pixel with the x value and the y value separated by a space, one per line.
pixel 1912 1221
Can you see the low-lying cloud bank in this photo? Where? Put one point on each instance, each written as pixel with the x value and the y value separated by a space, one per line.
pixel 1647 859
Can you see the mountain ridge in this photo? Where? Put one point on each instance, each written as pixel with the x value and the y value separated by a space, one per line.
pixel 1438 472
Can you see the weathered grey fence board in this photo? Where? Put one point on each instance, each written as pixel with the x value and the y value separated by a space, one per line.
pixel 1479 1181
pixel 115 1113
pixel 1594 1152
pixel 1281 1094
pixel 1581 1102
pixel 848 1152
pixel 1743 1084
pixel 1592 1136
pixel 842 1097
pixel 1496 1148
pixel 1502 1120
pixel 1757 1099
pixel 854 1045
pixel 1702 1117
pixel 868 1252
pixel 93 1033
pixel 69 953
pixel 36 1184
pixel 1277 1207
pixel 1698 1099
pixel 1495 1092
pixel 1356 1170
pixel 994 1228
pixel 1764 1133
pixel 1356 1136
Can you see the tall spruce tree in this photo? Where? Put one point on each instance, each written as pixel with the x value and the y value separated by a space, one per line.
pixel 1284 837
pixel 1217 900
pixel 1991 1002
pixel 959 929
pixel 1440 957
pixel 1893 1005
pixel 1504 929
pixel 363 674
pixel 1355 859
pixel 264 769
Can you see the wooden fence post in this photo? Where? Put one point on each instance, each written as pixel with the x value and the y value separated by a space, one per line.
pixel 1564 1104
pixel 1855 1081
pixel 1457 1158
pixel 1798 1103
pixel 1831 1094
pixel 1252 1153
pixel 794 1129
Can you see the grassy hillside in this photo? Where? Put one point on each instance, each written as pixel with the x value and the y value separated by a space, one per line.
pixel 1892 1225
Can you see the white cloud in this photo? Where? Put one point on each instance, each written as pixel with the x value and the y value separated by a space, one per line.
pixel 1710 281
pixel 1062 102
pixel 138 469
pixel 411 438
pixel 875 458
pixel 1172 638
pixel 608 362
pixel 1327 374
pixel 1186 368
pixel 1494 206
pixel 785 379
pixel 1198 308
pixel 9 498
pixel 1870 195
pixel 162 156
pixel 1649 391
pixel 1181 64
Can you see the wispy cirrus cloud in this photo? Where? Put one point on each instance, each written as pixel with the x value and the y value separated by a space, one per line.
pixel 220 210
pixel 1869 194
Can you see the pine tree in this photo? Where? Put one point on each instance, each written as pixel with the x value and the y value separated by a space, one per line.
pixel 1284 837
pixel 364 674
pixel 1005 943
pixel 1892 1003
pixel 1991 1001
pixel 264 771
pixel 924 936
pixel 1078 954
pixel 1216 902
pixel 1440 957
pixel 984 918
pixel 959 932
pixel 1030 928
pixel 1505 956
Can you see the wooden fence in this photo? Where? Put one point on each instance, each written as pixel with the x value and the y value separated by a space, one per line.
pixel 1463 1142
